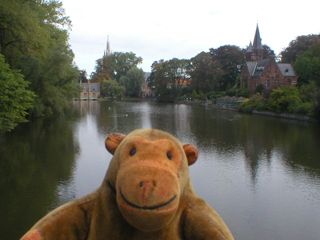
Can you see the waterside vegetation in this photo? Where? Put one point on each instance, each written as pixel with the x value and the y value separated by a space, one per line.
pixel 36 64
pixel 37 67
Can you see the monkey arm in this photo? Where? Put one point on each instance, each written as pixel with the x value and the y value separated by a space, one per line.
pixel 202 222
pixel 70 221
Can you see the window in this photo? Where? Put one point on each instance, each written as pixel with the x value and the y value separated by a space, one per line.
pixel 276 82
pixel 267 83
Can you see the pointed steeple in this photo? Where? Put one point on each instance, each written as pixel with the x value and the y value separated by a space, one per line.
pixel 249 49
pixel 257 40
pixel 108 47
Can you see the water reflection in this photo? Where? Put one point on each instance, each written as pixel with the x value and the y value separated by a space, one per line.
pixel 36 161
pixel 261 174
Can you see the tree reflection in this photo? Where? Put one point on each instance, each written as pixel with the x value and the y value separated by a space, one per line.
pixel 35 160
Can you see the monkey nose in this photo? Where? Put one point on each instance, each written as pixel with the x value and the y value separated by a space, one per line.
pixel 147 183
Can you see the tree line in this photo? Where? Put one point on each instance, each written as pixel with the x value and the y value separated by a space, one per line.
pixel 208 74
pixel 37 77
pixel 216 73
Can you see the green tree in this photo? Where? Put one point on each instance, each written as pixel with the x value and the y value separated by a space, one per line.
pixel 205 73
pixel 133 81
pixel 115 66
pixel 308 92
pixel 123 62
pixel 298 46
pixel 308 65
pixel 15 99
pixel 230 58
pixel 112 89
pixel 168 78
pixel 34 39
pixel 267 51
pixel 25 27
pixel 83 76
pixel 54 80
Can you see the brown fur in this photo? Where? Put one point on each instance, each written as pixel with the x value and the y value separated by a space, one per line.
pixel 146 194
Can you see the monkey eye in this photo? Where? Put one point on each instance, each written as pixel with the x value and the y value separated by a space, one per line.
pixel 133 151
pixel 169 155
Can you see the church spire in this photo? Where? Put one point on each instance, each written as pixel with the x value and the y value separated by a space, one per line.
pixel 257 40
pixel 250 50
pixel 255 52
pixel 107 52
pixel 108 47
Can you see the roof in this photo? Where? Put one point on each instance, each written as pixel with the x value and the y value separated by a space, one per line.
pixel 256 68
pixel 94 87
pixel 257 40
pixel 286 69
pixel 250 50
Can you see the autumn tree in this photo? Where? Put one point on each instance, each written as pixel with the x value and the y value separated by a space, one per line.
pixel 104 70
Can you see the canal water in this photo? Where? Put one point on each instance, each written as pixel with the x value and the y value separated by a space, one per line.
pixel 261 174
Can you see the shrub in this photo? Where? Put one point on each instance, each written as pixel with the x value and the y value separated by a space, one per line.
pixel 231 92
pixel 243 92
pixel 256 102
pixel 211 95
pixel 201 96
pixel 303 108
pixel 194 94
pixel 316 109
pixel 308 92
pixel 284 99
pixel 259 89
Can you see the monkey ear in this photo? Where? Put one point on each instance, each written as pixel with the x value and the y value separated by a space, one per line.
pixel 113 141
pixel 191 153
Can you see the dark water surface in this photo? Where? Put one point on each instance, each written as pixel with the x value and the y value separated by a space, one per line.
pixel 261 174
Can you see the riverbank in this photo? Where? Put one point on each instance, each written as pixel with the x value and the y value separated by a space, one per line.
pixel 265 113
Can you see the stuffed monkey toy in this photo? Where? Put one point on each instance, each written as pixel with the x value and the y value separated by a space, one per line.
pixel 146 194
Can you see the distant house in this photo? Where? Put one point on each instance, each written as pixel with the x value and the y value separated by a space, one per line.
pixel 90 91
pixel 259 69
pixel 183 82
pixel 146 91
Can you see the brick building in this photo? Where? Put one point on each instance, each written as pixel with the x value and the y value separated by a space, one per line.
pixel 89 91
pixel 260 69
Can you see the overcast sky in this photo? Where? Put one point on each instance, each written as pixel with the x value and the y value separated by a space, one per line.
pixel 169 29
